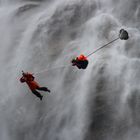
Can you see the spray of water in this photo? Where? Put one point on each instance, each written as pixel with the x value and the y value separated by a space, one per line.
pixel 99 103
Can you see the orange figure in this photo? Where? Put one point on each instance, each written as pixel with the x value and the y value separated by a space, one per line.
pixel 33 85
pixel 81 62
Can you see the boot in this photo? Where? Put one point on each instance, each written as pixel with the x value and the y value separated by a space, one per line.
pixel 48 90
pixel 41 97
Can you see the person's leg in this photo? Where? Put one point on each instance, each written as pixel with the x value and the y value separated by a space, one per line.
pixel 43 89
pixel 79 64
pixel 37 94
pixel 85 64
pixel 79 67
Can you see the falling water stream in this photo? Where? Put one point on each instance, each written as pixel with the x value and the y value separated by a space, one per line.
pixel 99 103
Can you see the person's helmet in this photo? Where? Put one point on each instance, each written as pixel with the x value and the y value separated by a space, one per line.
pixel 81 57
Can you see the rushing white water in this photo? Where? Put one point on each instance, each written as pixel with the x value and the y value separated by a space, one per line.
pixel 99 103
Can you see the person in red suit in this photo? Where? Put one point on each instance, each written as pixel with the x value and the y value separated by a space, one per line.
pixel 29 79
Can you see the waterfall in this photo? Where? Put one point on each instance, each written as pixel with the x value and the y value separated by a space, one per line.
pixel 42 36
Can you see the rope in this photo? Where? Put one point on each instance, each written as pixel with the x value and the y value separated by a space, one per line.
pixel 48 69
pixel 86 56
pixel 102 47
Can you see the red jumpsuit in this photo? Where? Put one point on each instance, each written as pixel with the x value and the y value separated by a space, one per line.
pixel 33 85
pixel 29 79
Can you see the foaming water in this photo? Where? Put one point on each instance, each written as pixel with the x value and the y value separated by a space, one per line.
pixel 101 102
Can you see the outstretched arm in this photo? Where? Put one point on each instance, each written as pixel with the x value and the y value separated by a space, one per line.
pixel 28 75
